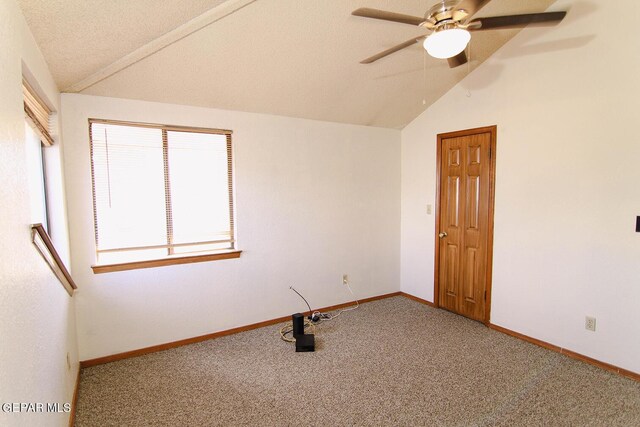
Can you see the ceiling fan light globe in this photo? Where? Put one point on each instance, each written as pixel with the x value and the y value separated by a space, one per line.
pixel 447 43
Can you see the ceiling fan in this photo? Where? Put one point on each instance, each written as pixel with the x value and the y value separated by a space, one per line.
pixel 450 22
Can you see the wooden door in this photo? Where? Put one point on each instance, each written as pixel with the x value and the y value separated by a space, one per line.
pixel 464 227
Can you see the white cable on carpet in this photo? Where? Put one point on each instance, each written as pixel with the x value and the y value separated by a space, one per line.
pixel 288 328
pixel 327 316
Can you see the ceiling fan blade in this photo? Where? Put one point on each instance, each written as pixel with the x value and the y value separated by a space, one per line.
pixel 391 50
pixel 471 6
pixel 458 60
pixel 516 21
pixel 366 12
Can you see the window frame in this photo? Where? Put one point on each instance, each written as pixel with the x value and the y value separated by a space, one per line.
pixel 41 178
pixel 38 116
pixel 170 258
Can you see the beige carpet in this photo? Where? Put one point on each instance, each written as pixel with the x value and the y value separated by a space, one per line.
pixel 391 362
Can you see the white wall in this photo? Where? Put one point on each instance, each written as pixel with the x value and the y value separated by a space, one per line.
pixel 566 102
pixel 314 200
pixel 37 317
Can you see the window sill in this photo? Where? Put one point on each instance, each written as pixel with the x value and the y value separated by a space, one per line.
pixel 109 268
pixel 42 241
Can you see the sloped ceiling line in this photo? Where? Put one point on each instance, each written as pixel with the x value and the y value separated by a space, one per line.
pixel 288 58
pixel 198 23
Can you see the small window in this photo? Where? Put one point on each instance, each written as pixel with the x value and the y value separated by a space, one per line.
pixel 160 192
pixel 37 138
pixel 36 177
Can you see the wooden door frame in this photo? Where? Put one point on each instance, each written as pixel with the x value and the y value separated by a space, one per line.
pixel 493 131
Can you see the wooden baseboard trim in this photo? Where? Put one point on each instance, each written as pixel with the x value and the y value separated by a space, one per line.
pixel 179 343
pixel 569 353
pixel 74 402
pixel 548 346
pixel 420 300
pixel 526 338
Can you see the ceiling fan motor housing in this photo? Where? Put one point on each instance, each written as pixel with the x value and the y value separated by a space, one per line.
pixel 442 13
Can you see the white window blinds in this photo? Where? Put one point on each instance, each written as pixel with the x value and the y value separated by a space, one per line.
pixel 160 191
pixel 37 112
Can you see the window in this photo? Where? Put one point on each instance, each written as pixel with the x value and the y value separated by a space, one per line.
pixel 37 138
pixel 36 177
pixel 160 193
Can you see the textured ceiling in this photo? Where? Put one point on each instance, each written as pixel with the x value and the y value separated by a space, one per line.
pixel 78 37
pixel 297 58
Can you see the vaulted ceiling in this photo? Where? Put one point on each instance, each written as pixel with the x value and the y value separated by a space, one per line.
pixel 297 58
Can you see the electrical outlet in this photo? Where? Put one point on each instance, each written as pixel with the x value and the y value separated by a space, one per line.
pixel 428 209
pixel 590 323
pixel 345 279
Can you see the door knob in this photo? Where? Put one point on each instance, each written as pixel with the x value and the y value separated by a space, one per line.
pixel 443 234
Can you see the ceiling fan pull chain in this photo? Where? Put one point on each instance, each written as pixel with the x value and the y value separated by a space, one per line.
pixel 469 59
pixel 469 67
pixel 424 76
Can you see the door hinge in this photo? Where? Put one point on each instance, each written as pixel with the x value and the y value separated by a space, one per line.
pixel 485 295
